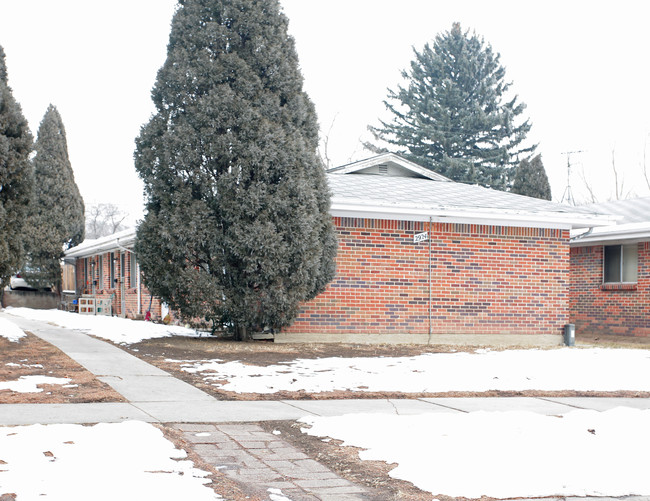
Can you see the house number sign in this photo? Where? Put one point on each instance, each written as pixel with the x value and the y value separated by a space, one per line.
pixel 421 237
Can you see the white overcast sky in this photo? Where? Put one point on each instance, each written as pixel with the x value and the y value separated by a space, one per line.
pixel 582 67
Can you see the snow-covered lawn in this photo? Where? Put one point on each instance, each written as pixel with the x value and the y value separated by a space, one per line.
pixel 498 454
pixel 580 369
pixel 557 369
pixel 131 461
pixel 29 384
pixel 24 384
pixel 505 454
pixel 118 330
pixel 10 330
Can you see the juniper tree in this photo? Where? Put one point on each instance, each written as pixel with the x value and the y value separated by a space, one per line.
pixel 236 228
pixel 453 115
pixel 15 178
pixel 530 179
pixel 56 217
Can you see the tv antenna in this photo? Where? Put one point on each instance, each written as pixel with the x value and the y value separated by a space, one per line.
pixel 568 194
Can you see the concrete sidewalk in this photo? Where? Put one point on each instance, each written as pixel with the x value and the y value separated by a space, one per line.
pixel 224 433
pixel 156 396
pixel 221 411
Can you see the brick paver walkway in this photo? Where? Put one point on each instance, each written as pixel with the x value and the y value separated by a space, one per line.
pixel 259 459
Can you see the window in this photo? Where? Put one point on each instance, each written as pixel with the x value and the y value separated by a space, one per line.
pixel 134 271
pixel 111 284
pixel 123 268
pixel 100 278
pixel 620 263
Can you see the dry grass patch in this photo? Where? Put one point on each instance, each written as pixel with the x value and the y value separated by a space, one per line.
pixel 32 356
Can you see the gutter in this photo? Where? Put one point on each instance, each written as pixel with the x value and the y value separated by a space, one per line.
pixel 101 245
pixel 347 208
pixel 630 233
pixel 582 235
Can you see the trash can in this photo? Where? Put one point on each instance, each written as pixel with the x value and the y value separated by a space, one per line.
pixel 570 334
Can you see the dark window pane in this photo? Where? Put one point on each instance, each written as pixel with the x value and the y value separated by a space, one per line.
pixel 612 263
pixel 111 278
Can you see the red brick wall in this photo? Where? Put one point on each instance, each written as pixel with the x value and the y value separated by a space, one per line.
pixel 597 309
pixel 485 280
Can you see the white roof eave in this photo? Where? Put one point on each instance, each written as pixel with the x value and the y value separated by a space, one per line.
pixel 349 208
pixel 612 234
pixel 118 241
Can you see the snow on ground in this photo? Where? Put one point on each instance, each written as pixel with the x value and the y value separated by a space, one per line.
pixel 128 461
pixel 276 495
pixel 10 330
pixel 116 329
pixel 558 369
pixel 505 454
pixel 28 384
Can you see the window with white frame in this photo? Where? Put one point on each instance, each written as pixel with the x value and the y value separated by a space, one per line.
pixel 620 263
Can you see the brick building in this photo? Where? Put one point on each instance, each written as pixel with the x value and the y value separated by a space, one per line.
pixel 421 259
pixel 107 268
pixel 610 272
pixel 493 267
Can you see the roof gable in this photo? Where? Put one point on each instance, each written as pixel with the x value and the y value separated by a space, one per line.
pixel 388 164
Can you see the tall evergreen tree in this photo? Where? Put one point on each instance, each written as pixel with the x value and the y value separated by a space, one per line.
pixel 237 227
pixel 15 178
pixel 531 180
pixel 452 116
pixel 56 219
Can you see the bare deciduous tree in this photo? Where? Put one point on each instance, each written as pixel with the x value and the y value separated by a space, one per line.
pixel 588 186
pixel 103 220
pixel 645 167
pixel 620 193
pixel 324 155
pixel 618 187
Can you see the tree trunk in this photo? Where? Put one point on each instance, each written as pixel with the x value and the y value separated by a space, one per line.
pixel 241 333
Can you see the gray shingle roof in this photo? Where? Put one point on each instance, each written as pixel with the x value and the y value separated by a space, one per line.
pixel 635 210
pixel 395 191
pixel 405 190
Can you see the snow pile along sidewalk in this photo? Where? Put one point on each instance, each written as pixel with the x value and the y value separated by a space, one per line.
pixel 129 460
pixel 504 454
pixel 116 329
pixel 29 384
pixel 513 370
pixel 10 330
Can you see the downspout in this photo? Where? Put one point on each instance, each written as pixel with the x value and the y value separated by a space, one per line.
pixel 582 235
pixel 121 247
pixel 430 285
pixel 137 270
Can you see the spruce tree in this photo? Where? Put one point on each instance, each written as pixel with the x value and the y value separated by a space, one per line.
pixel 237 228
pixel 56 218
pixel 531 180
pixel 453 115
pixel 15 178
